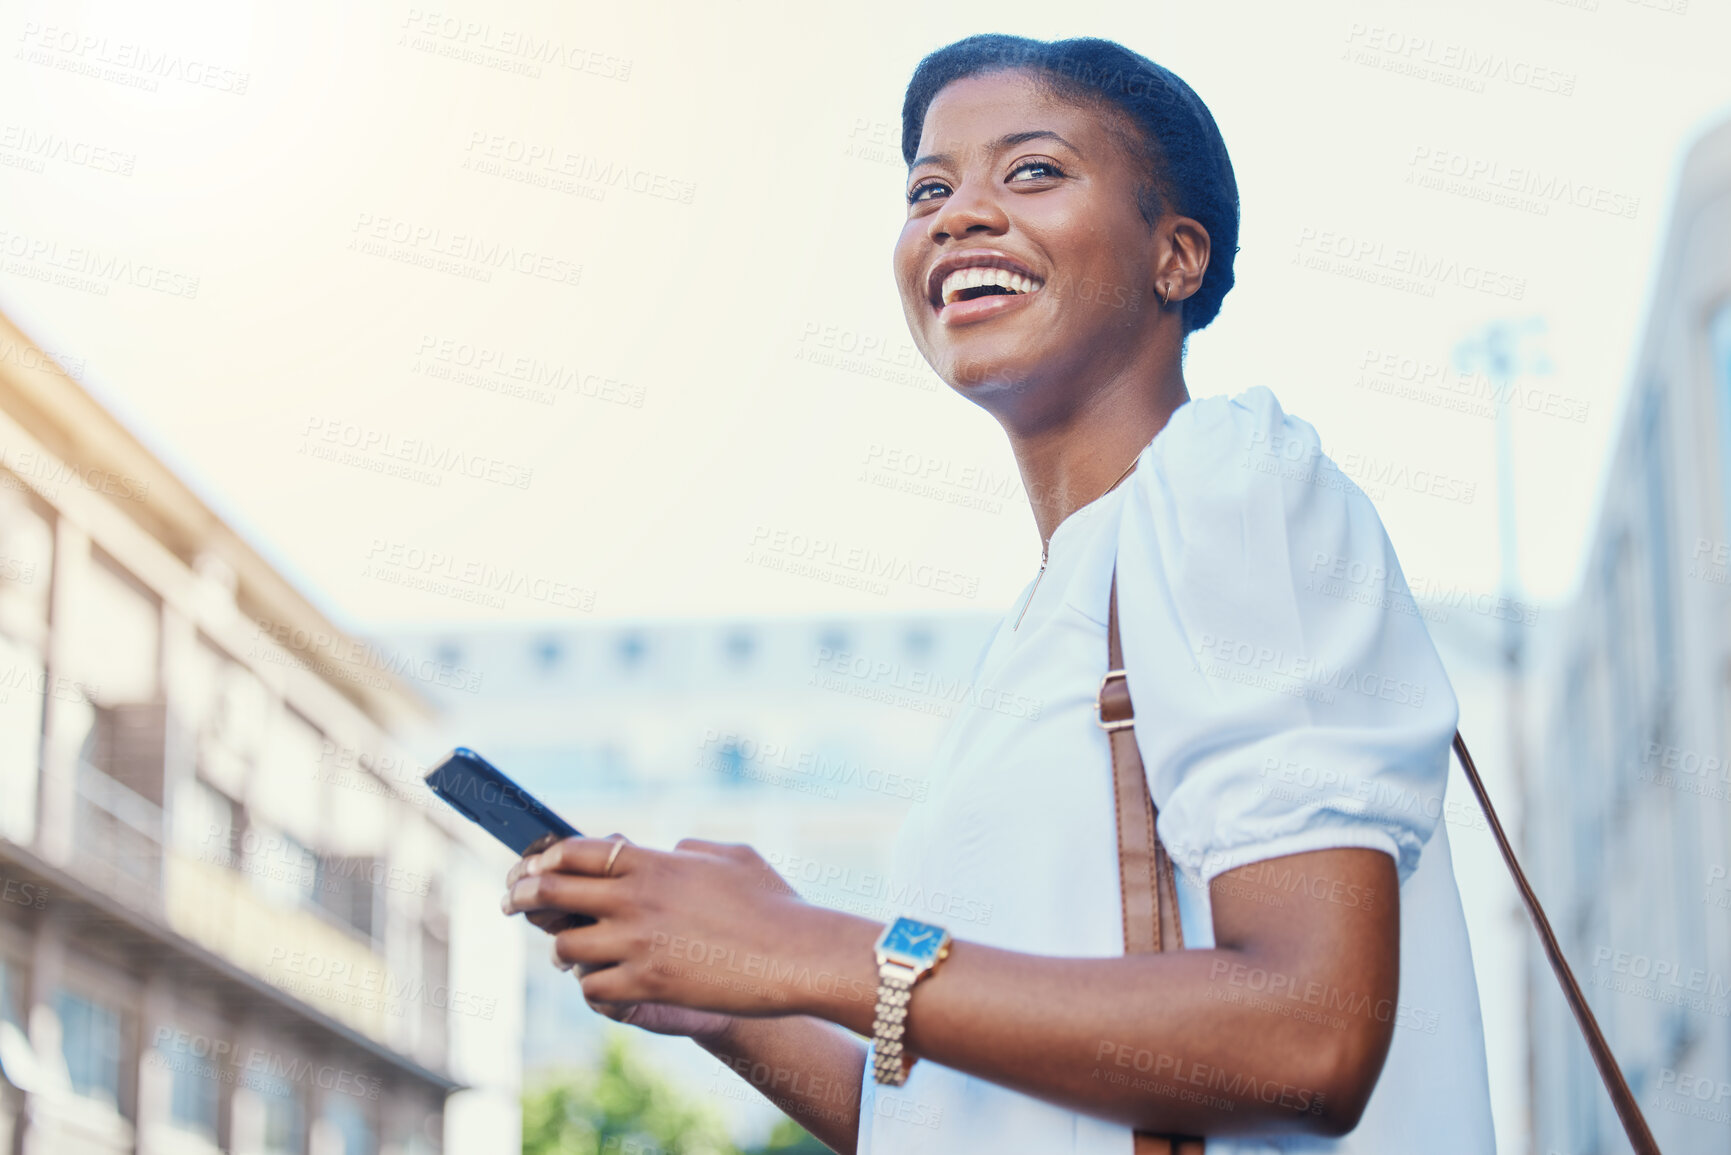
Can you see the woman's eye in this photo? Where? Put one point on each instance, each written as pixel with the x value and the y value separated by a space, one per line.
pixel 919 191
pixel 1049 168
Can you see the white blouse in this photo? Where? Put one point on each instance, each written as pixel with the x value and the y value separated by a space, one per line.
pixel 1284 703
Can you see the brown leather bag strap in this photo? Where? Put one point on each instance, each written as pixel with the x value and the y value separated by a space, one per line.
pixel 1147 915
pixel 1634 1123
pixel 1145 876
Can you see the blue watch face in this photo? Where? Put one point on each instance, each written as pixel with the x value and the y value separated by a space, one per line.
pixel 921 940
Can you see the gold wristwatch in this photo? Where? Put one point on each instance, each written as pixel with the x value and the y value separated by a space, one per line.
pixel 907 951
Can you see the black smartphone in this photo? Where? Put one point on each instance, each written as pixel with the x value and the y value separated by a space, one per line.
pixel 474 788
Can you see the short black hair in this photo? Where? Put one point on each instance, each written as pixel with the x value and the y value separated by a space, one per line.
pixel 1184 156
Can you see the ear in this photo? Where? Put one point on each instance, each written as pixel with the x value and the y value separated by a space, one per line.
pixel 1183 260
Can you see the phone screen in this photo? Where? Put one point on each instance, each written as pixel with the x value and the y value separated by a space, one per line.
pixel 477 790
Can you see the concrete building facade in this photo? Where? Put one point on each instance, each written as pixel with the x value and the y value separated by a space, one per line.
pixel 227 924
pixel 1629 814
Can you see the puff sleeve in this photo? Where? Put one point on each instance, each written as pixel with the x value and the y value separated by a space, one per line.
pixel 1288 697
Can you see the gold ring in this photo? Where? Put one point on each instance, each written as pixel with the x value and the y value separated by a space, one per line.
pixel 611 858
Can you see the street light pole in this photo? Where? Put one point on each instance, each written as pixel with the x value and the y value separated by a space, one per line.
pixel 1496 350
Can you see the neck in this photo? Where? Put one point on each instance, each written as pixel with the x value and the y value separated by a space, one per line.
pixel 1069 464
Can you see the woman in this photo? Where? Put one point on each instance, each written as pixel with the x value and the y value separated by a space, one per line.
pixel 1072 217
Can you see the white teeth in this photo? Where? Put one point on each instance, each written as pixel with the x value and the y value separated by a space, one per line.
pixel 973 278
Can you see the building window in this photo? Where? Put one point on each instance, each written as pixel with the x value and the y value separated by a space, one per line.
pixel 740 647
pixel 237 709
pixel 415 1143
pixel 354 1134
pixel 20 740
pixel 11 995
pixel 436 972
pixel 282 869
pixel 90 1040
pixel 26 562
pixel 1624 626
pixel 730 762
pixel 285 1120
pixel 195 1092
pixel 344 888
pixel 118 625
pixel 207 823
pixel 1719 338
pixel 1654 459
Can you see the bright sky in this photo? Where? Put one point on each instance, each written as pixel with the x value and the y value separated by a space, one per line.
pixel 305 165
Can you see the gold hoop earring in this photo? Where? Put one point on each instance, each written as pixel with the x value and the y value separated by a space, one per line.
pixel 1166 296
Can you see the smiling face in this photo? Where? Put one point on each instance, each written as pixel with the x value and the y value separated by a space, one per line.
pixel 1025 268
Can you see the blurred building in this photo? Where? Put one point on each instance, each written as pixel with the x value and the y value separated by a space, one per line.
pixel 1629 817
pixel 807 739
pixel 227 924
pixel 1471 636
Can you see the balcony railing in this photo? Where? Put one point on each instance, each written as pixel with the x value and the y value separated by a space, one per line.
pixel 117 838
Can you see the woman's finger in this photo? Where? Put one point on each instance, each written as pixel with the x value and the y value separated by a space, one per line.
pixel 606 985
pixel 703 846
pixel 554 921
pixel 589 856
pixel 571 893
pixel 521 866
pixel 591 947
pixel 618 1012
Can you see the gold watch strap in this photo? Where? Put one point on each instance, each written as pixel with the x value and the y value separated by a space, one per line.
pixel 890 1060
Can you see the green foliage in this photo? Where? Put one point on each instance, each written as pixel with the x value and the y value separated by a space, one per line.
pixel 623 1108
pixel 789 1138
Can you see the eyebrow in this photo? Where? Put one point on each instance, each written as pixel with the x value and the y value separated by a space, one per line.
pixel 1009 140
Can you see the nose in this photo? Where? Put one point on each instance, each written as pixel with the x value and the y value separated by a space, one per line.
pixel 971 208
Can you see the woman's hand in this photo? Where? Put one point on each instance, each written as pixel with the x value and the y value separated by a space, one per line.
pixel 660 1018
pixel 689 937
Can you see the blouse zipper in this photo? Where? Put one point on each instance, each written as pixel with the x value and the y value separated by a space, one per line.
pixel 1044 547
